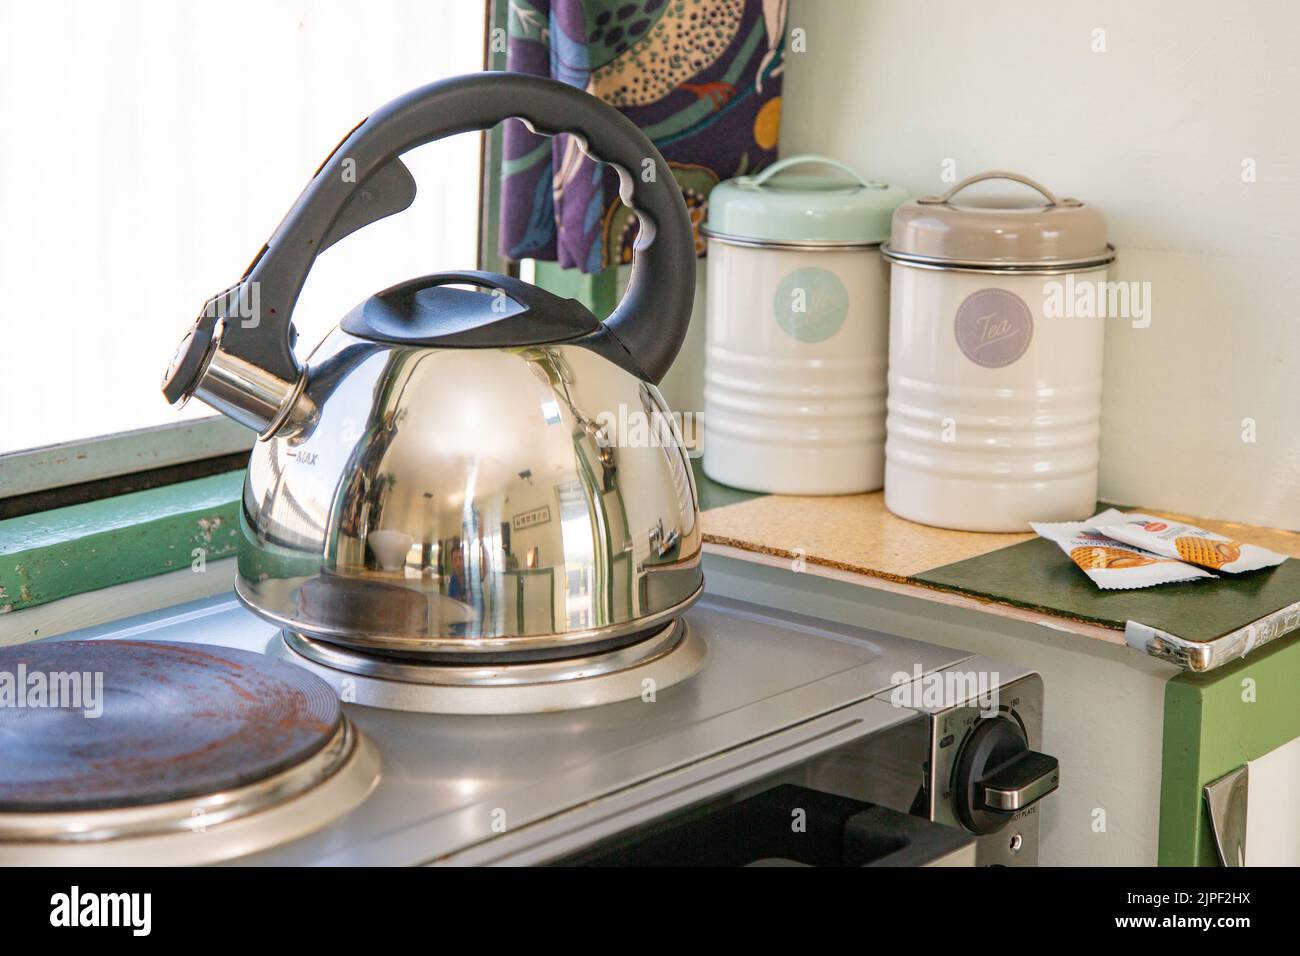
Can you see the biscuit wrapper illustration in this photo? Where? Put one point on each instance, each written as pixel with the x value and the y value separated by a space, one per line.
pixel 1173 539
pixel 1110 563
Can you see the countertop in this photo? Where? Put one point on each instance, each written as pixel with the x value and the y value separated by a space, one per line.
pixel 1198 625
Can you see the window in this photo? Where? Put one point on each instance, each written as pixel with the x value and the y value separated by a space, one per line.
pixel 150 149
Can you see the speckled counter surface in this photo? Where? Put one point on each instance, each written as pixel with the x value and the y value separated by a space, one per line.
pixel 1199 625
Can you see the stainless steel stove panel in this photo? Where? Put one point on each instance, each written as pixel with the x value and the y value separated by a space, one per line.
pixel 452 783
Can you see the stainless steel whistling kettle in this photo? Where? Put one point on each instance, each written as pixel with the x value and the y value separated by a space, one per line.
pixel 468 469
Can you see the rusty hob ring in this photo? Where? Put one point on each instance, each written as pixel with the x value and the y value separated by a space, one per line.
pixel 95 725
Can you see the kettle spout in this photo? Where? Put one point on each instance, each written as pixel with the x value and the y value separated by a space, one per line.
pixel 247 392
pixel 210 366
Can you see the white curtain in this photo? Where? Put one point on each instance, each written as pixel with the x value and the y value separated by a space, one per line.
pixel 147 150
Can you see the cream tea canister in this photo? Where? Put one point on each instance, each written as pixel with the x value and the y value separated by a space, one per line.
pixel 994 398
pixel 797 328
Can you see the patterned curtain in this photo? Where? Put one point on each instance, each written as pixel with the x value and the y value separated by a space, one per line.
pixel 702 79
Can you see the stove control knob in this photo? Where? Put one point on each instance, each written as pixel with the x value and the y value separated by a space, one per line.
pixel 997 775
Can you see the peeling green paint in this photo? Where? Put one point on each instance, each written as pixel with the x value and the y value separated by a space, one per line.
pixel 65 551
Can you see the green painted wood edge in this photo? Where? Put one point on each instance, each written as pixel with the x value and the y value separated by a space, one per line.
pixel 65 551
pixel 107 456
pixel 1212 727
pixel 597 291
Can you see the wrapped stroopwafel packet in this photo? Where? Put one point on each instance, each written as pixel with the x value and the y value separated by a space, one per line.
pixel 1174 539
pixel 1110 563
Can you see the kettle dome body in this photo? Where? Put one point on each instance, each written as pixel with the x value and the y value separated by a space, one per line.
pixel 449 502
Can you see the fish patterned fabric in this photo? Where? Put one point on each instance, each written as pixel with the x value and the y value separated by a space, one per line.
pixel 701 78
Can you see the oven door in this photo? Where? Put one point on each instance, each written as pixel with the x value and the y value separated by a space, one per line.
pixel 838 788
pixel 784 824
pixel 841 799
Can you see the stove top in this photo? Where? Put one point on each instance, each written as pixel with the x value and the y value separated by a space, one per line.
pixel 487 788
pixel 153 722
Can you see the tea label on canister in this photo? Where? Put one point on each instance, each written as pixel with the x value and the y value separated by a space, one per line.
pixel 993 327
pixel 811 304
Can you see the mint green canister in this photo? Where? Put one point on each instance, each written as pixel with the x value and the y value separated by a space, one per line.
pixel 797 335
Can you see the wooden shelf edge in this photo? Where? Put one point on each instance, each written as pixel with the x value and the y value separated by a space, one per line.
pixel 923 592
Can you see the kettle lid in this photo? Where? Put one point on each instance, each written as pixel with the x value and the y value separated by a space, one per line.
pixel 499 312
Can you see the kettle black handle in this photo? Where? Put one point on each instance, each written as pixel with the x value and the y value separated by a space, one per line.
pixel 651 320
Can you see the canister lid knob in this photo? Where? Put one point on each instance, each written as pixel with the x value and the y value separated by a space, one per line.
pixel 998 174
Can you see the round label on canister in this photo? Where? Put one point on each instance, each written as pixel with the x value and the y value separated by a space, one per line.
pixel 993 327
pixel 811 304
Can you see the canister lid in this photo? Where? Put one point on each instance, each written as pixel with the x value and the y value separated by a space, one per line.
pixel 777 207
pixel 1016 233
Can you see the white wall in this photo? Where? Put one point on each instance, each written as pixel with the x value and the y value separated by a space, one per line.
pixel 1154 131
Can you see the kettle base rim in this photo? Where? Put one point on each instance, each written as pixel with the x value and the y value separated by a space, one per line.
pixel 673 655
pixel 504 650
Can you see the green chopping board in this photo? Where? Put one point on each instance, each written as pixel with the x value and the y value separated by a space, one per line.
pixel 1039 575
